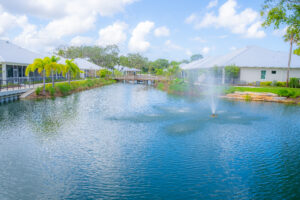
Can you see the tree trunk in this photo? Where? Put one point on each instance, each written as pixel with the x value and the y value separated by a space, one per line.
pixel 289 64
pixel 69 77
pixel 44 81
pixel 52 78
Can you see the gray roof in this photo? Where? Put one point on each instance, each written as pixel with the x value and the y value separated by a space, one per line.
pixel 10 53
pixel 82 63
pixel 251 56
pixel 126 69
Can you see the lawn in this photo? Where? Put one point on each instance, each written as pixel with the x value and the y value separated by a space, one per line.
pixel 281 91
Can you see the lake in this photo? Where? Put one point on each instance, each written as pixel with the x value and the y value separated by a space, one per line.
pixel 135 142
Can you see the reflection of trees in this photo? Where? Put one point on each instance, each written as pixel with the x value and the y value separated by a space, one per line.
pixel 48 116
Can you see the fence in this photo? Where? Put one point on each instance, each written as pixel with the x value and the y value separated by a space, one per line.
pixel 18 83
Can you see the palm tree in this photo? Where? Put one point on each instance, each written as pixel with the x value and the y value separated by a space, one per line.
pixel 70 69
pixel 292 36
pixel 53 67
pixel 39 65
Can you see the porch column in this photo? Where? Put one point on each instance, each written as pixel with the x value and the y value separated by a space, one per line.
pixel 4 74
pixel 223 75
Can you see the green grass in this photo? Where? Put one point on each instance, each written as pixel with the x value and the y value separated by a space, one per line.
pixel 281 91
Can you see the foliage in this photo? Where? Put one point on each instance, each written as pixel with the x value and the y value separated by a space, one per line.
pixel 160 86
pixel 283 13
pixel 232 72
pixel 64 88
pixel 196 57
pixel 103 56
pixel 178 85
pixel 70 69
pixel 173 69
pixel 294 83
pixel 117 72
pixel 104 73
pixel 38 91
pixel 248 97
pixel 159 72
pixel 266 83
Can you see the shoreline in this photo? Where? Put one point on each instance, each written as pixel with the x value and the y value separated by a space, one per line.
pixel 64 89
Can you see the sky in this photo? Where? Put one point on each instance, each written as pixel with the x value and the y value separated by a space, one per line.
pixel 171 29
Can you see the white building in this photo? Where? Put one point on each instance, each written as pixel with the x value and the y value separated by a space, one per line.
pixel 14 60
pixel 126 70
pixel 90 69
pixel 255 63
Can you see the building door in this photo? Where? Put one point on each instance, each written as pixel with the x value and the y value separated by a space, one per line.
pixel 15 74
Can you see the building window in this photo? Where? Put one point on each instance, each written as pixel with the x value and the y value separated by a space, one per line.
pixel 263 74
pixel 273 72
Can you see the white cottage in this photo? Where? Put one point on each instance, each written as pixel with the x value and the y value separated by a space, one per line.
pixel 14 60
pixel 256 64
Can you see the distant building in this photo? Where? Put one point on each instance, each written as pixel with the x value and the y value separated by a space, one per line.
pixel 90 69
pixel 126 70
pixel 255 63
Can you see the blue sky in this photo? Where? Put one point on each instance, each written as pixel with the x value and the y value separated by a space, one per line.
pixel 172 29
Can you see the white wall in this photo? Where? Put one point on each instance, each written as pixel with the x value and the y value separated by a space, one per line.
pixel 249 75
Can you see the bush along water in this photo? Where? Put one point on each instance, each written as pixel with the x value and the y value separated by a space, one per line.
pixel 65 88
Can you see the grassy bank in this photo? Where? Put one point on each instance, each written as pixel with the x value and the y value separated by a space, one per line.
pixel 179 87
pixel 64 89
pixel 280 91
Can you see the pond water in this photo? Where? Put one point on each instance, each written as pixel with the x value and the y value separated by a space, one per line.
pixel 135 142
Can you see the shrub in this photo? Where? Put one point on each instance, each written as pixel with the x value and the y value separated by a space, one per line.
pixel 294 83
pixel 266 83
pixel 64 88
pixel 103 73
pixel 160 86
pixel 52 91
pixel 287 93
pixel 178 85
pixel 248 97
pixel 281 84
pixel 38 91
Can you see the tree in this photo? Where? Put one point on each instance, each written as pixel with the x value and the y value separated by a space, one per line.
pixel 104 73
pixel 280 13
pixel 291 36
pixel 232 72
pixel 52 67
pixel 173 69
pixel 40 65
pixel 70 69
pixel 196 57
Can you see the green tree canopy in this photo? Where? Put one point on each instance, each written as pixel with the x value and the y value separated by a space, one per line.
pixel 196 57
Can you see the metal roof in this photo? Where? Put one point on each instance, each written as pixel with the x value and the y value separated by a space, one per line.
pixel 126 69
pixel 11 53
pixel 82 63
pixel 251 56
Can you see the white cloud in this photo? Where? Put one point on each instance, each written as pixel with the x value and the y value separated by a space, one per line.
pixel 190 19
pixel 173 46
pixel 113 34
pixel 162 32
pixel 233 48
pixel 64 18
pixel 245 23
pixel 81 40
pixel 254 32
pixel 212 3
pixel 188 52
pixel 137 42
pixel 280 32
pixel 206 50
pixel 222 36
pixel 199 39
pixel 61 8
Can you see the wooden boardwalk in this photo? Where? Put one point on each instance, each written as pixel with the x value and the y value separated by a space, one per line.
pixel 141 77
